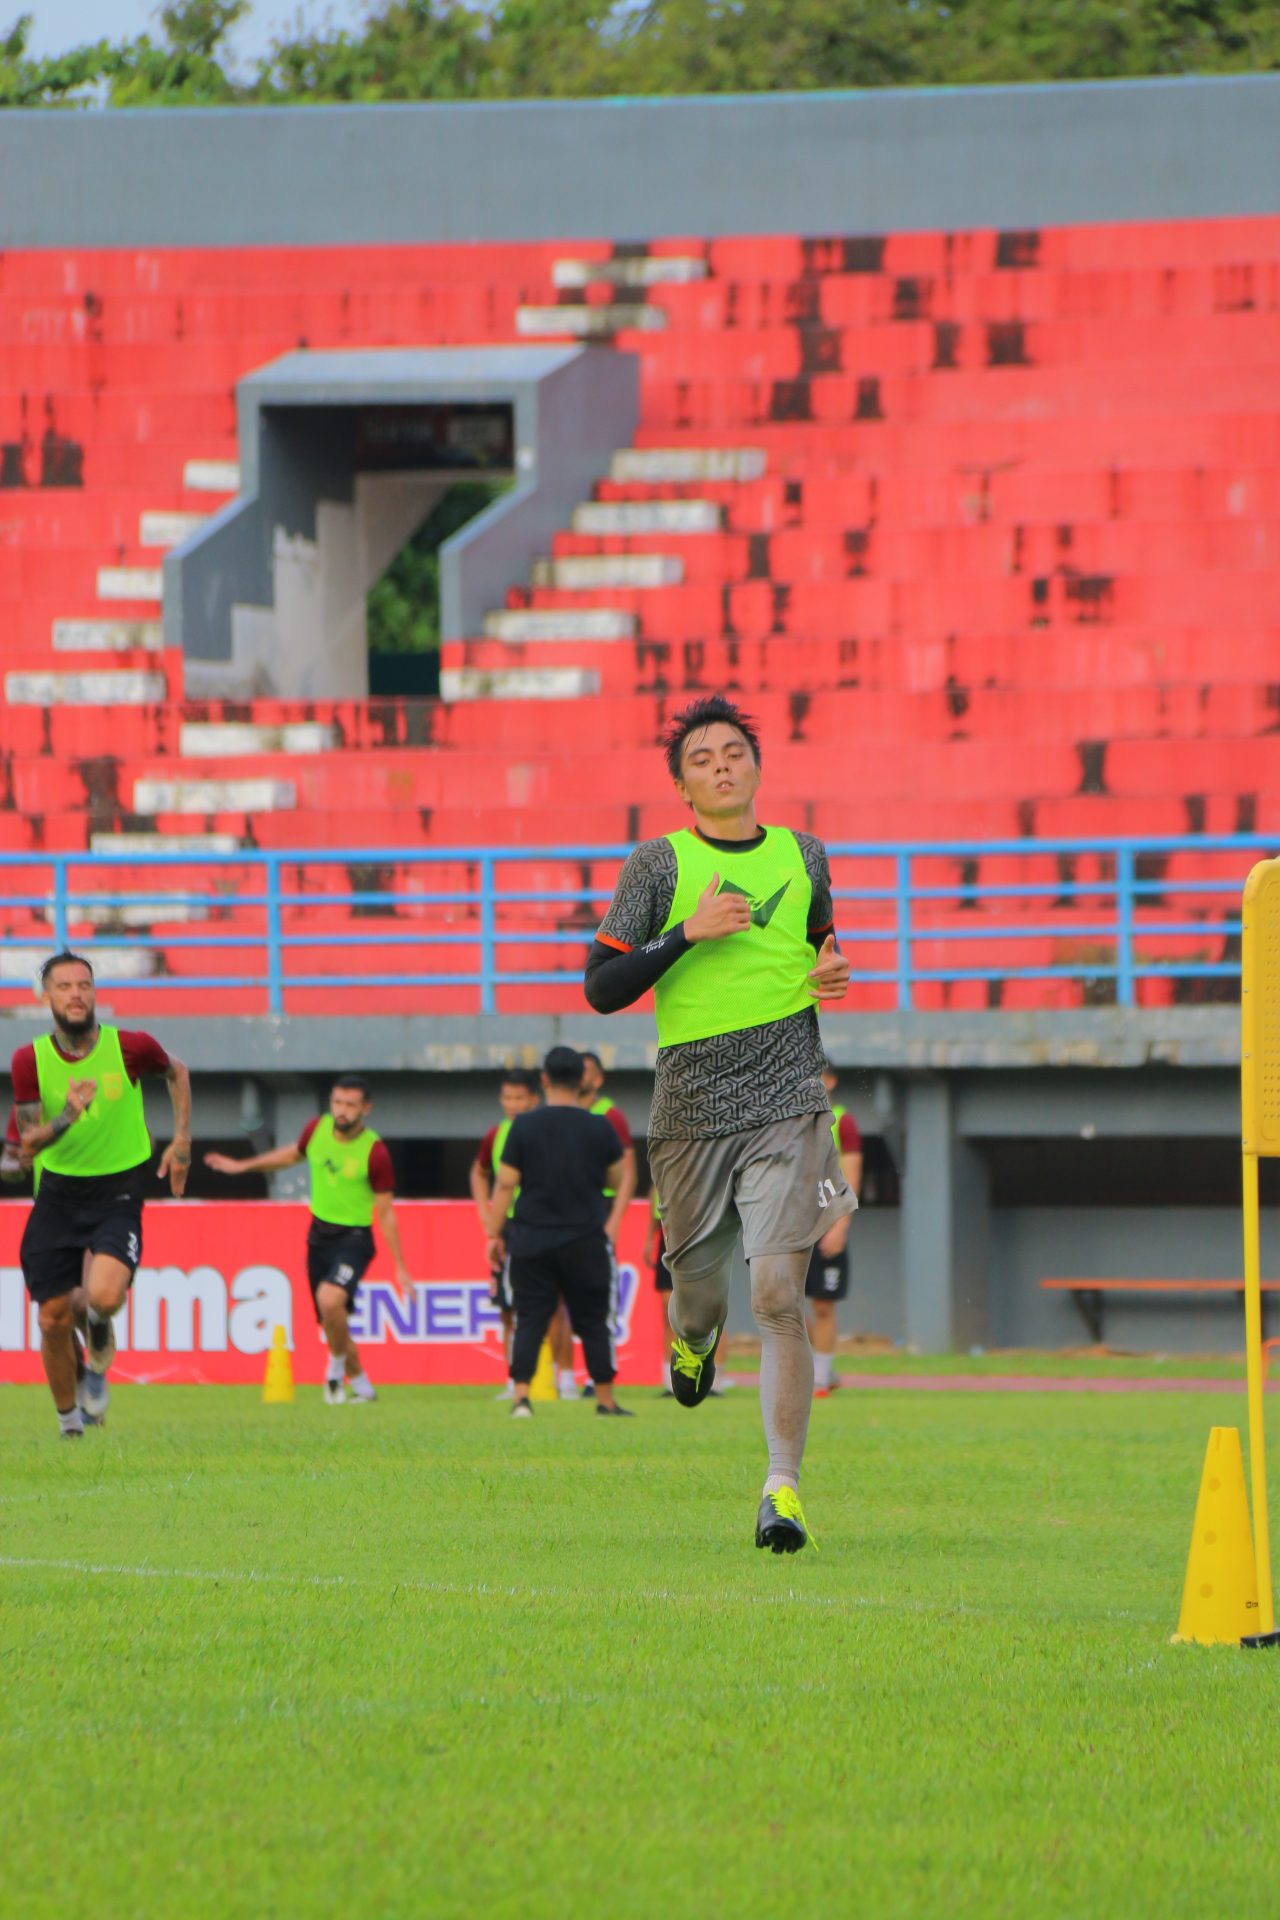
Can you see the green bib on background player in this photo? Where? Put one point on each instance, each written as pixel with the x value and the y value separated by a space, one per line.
pixel 604 1106
pixel 340 1191
pixel 499 1142
pixel 111 1134
pixel 837 1115
pixel 750 978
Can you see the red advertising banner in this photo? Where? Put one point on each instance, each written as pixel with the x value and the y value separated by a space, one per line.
pixel 218 1277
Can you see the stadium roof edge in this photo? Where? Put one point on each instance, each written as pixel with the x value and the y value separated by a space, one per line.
pixel 878 160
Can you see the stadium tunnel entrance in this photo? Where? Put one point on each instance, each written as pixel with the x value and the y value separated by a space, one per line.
pixel 343 458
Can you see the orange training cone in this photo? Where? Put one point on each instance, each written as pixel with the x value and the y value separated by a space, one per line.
pixel 277 1382
pixel 1220 1598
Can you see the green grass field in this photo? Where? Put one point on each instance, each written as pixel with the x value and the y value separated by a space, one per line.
pixel 416 1659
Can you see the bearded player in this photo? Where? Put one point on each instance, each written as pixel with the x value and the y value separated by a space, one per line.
pixel 78 1095
pixel 730 924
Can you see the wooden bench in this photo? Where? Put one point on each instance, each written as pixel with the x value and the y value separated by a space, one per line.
pixel 1090 1295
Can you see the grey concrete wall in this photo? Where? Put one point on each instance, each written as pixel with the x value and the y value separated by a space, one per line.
pixel 868 162
pixel 1194 1243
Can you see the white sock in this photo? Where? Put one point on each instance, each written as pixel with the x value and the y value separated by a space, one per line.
pixel 566 1380
pixel 72 1421
pixel 822 1369
pixel 362 1387
pixel 337 1367
pixel 776 1481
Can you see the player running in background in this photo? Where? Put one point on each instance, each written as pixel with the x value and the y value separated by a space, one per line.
pixel 730 924
pixel 828 1277
pixel 352 1182
pixel 78 1095
pixel 518 1092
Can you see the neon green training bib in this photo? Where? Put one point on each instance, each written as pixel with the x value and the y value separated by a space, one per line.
pixel 604 1106
pixel 499 1142
pixel 111 1134
pixel 340 1191
pixel 749 978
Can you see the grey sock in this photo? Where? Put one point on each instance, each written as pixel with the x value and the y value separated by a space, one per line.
pixel 786 1360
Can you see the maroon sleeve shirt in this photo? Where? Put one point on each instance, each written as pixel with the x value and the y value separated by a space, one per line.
pixel 142 1056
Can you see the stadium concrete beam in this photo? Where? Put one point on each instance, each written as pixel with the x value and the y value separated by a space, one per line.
pixel 1086 1040
pixel 878 161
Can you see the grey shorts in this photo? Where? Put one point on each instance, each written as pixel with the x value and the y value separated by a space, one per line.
pixel 781 1184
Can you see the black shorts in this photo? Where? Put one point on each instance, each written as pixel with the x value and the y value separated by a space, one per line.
pixel 337 1257
pixel 74 1215
pixel 828 1275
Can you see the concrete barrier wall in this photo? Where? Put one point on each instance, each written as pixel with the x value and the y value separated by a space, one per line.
pixel 870 162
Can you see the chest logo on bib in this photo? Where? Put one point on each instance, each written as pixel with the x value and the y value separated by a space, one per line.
pixel 762 911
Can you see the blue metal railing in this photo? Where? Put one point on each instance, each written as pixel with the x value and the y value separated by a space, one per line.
pixel 909 914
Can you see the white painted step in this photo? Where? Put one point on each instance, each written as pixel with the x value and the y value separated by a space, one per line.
pixel 592 623
pixel 518 683
pixel 130 583
pixel 112 963
pixel 205 738
pixel 122 688
pixel 685 465
pixel 148 914
pixel 667 270
pixel 213 796
pixel 582 572
pixel 591 322
pixel 164 843
pixel 168 529
pixel 107 636
pixel 648 516
pixel 211 476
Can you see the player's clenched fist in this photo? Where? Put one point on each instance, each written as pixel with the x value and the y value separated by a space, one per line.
pixel 831 975
pixel 80 1094
pixel 717 914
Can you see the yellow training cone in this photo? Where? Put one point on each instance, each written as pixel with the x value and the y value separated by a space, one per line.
pixel 277 1382
pixel 543 1384
pixel 1220 1599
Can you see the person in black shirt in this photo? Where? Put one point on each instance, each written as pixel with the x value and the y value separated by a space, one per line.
pixel 560 1160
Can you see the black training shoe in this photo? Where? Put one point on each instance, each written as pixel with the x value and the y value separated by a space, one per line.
pixel 780 1523
pixel 692 1373
pixel 615 1411
pixel 521 1410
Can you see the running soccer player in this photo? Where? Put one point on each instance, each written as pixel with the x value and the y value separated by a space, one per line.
pixel 730 924
pixel 827 1281
pixel 352 1181
pixel 519 1091
pixel 78 1095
